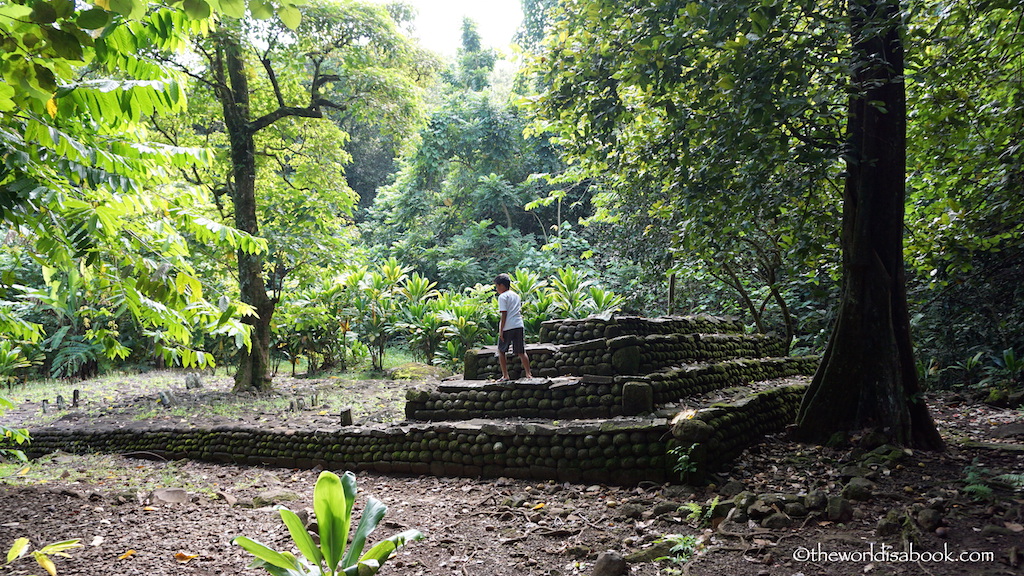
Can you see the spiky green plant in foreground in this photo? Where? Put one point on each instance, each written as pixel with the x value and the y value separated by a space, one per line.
pixel 333 498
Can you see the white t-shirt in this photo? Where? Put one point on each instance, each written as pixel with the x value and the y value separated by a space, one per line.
pixel 509 301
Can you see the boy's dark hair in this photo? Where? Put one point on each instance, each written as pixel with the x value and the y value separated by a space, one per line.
pixel 504 280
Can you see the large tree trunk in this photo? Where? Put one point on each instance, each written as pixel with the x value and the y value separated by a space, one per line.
pixel 254 363
pixel 867 378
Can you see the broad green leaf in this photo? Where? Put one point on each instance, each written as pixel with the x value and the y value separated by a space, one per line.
pixel 122 7
pixel 303 541
pixel 263 552
pixel 44 561
pixel 372 515
pixel 381 552
pixel 261 10
pixel 44 13
pixel 64 44
pixel 58 547
pixel 290 16
pixel 93 19
pixel 233 8
pixel 331 507
pixel 6 97
pixel 196 9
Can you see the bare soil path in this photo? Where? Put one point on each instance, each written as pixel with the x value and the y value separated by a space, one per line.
pixel 497 527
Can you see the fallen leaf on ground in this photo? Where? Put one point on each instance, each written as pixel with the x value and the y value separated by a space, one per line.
pixel 182 557
pixel 127 554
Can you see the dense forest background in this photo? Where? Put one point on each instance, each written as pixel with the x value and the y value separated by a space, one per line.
pixel 230 183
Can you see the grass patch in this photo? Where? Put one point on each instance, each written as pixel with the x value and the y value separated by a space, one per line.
pixel 105 472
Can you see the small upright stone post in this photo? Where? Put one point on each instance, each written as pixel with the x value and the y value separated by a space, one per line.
pixel 345 417
pixel 61 404
pixel 76 398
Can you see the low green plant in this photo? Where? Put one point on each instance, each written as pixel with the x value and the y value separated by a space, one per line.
pixel 979 482
pixel 333 498
pixel 1006 369
pixel 21 546
pixel 684 464
pixel 684 546
pixel 11 436
pixel 699 515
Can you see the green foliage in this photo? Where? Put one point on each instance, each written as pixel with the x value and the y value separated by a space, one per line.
pixel 980 482
pixel 684 464
pixel 456 209
pixel 75 186
pixel 684 547
pixel 21 546
pixel 1005 370
pixel 333 500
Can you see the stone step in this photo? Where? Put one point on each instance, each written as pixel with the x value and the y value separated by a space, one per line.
pixel 623 355
pixel 592 396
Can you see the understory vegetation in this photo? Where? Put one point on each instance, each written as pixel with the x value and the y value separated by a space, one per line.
pixel 701 172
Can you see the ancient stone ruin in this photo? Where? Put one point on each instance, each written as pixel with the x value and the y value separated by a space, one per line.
pixel 604 407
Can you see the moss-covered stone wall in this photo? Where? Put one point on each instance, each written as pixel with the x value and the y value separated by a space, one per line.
pixel 616 452
pixel 569 331
pixel 625 355
pixel 714 436
pixel 592 396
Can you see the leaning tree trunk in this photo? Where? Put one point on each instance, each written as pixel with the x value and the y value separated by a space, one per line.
pixel 867 378
pixel 254 363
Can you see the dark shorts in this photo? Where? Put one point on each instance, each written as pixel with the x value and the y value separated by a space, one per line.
pixel 513 337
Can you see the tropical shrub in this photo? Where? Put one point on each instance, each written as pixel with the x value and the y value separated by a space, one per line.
pixel 333 499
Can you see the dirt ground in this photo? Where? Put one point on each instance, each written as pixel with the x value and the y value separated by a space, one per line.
pixel 501 527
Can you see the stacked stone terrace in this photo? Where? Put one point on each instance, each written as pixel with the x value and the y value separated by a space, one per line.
pixel 605 367
pixel 595 411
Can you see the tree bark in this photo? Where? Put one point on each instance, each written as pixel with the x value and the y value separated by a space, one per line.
pixel 867 378
pixel 254 363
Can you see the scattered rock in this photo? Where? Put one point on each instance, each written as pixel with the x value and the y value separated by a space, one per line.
pixel 578 551
pixel 889 525
pixel 633 511
pixel 760 509
pixel 610 563
pixel 271 497
pixel 1011 430
pixel 860 489
pixel 649 554
pixel 993 530
pixel 839 509
pixel 929 519
pixel 795 509
pixel 731 488
pixel 168 496
pixel 227 498
pixel 777 521
pixel 816 500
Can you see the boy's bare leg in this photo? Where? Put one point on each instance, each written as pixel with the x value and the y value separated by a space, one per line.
pixel 526 365
pixel 503 362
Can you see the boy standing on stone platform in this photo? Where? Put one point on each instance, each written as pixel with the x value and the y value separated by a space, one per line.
pixel 510 328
